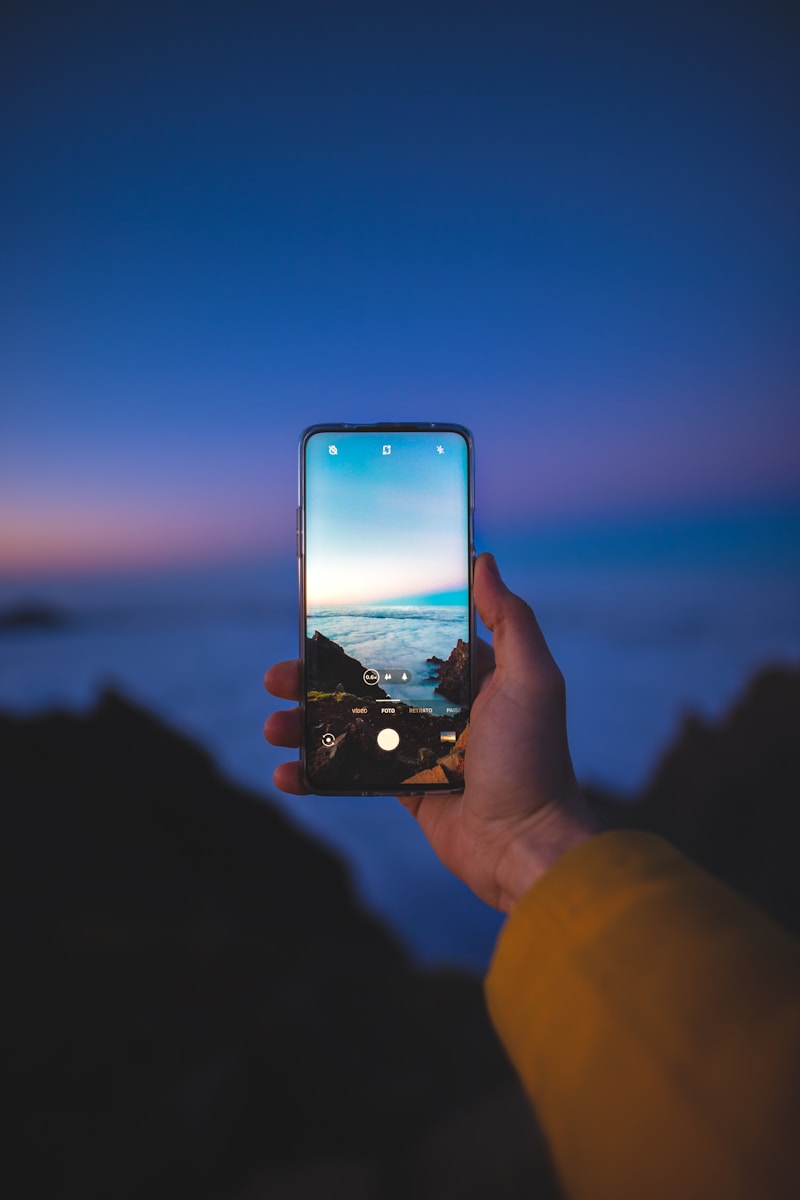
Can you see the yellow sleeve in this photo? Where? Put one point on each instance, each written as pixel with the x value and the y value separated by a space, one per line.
pixel 654 1019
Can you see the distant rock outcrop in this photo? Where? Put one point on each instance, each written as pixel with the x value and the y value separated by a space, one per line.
pixel 32 615
pixel 453 675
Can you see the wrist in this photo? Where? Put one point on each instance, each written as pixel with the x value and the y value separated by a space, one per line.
pixel 547 835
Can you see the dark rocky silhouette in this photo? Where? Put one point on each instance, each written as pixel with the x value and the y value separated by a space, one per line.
pixel 453 675
pixel 330 669
pixel 195 1005
pixel 728 794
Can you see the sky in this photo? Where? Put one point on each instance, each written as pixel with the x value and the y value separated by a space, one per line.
pixel 571 227
pixel 386 518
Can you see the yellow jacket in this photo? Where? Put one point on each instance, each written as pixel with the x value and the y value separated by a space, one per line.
pixel 654 1018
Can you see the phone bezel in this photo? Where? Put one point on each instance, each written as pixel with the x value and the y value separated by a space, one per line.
pixel 432 427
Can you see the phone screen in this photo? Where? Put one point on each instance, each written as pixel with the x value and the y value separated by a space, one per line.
pixel 386 564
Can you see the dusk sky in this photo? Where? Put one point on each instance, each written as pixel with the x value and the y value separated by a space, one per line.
pixel 572 227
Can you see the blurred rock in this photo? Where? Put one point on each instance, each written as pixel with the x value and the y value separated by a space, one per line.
pixel 727 793
pixel 33 615
pixel 195 1005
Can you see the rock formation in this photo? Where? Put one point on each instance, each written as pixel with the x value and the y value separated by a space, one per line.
pixel 727 794
pixel 453 675
pixel 330 669
pixel 195 1005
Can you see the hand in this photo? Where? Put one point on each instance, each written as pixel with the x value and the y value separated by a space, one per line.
pixel 521 807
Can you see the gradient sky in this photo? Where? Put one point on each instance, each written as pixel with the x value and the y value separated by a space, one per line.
pixel 376 522
pixel 572 227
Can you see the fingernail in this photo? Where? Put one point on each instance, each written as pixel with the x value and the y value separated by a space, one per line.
pixel 492 565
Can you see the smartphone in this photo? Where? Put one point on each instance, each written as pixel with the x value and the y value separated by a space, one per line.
pixel 385 546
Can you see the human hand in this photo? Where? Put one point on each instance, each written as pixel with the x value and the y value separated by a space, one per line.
pixel 521 807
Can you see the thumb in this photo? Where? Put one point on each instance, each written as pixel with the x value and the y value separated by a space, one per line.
pixel 520 649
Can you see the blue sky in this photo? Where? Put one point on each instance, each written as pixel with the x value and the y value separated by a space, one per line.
pixel 571 227
pixel 386 518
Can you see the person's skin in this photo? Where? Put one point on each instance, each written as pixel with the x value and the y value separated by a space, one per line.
pixel 521 807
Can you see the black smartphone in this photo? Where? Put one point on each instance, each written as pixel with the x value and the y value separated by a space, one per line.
pixel 387 629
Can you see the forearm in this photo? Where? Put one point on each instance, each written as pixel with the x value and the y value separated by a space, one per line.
pixel 654 1018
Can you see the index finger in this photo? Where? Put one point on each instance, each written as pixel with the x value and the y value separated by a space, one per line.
pixel 283 679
